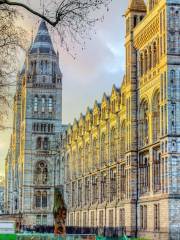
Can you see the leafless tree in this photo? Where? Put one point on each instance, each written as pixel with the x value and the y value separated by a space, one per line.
pixel 11 39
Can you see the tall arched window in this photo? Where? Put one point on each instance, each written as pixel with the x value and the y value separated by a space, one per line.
pixel 43 104
pixel 53 68
pixel 87 157
pixel 145 61
pixel 154 54
pixel 80 160
pixel 150 57
pixel 67 169
pixel 38 199
pixel 113 146
pixel 123 139
pixel 35 104
pixel 46 144
pixel 173 83
pixel 41 199
pixel 47 65
pixel 144 123
pixel 39 143
pixel 156 116
pixel 141 65
pixel 42 66
pixel 74 162
pixel 172 42
pixel 135 20
pixel 95 154
pixel 44 199
pixel 103 150
pixel 50 104
pixel 41 173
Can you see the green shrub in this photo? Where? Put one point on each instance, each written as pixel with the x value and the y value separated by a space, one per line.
pixel 7 237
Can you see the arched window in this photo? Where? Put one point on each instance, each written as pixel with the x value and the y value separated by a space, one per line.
pixel 173 83
pixel 46 144
pixel 33 67
pixel 43 104
pixel 52 128
pixel 67 169
pixel 144 123
pixel 50 104
pixel 35 104
pixel 87 157
pixel 38 199
pixel 123 139
pixel 46 67
pixel 135 20
pixel 144 173
pixel 150 57
pixel 113 146
pixel 154 54
pixel 41 199
pixel 44 199
pixel 103 150
pixel 80 160
pixel 41 173
pixel 74 162
pixel 145 61
pixel 42 66
pixel 141 65
pixel 39 143
pixel 95 154
pixel 156 116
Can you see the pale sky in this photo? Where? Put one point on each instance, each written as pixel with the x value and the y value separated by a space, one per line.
pixel 92 73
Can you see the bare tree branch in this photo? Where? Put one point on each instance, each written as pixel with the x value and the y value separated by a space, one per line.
pixel 11 40
pixel 29 9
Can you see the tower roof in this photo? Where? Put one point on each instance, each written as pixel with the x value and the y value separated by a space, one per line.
pixel 42 42
pixel 137 5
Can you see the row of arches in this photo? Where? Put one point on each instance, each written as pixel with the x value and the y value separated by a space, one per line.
pixel 148 58
pixel 43 127
pixel 112 145
pixel 43 67
pixel 99 152
pixel 43 104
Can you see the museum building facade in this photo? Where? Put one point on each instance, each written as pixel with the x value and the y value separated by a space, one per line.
pixel 122 158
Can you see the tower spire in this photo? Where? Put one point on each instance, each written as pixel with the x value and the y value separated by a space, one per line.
pixel 42 42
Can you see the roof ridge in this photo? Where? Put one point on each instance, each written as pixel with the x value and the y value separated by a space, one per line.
pixel 137 5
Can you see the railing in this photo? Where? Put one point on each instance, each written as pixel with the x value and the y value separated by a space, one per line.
pixel 86 231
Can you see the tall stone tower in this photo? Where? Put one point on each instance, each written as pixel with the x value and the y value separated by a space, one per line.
pixel 134 15
pixel 40 128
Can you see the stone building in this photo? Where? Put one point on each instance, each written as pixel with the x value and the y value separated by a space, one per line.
pixel 123 156
pixel 33 164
